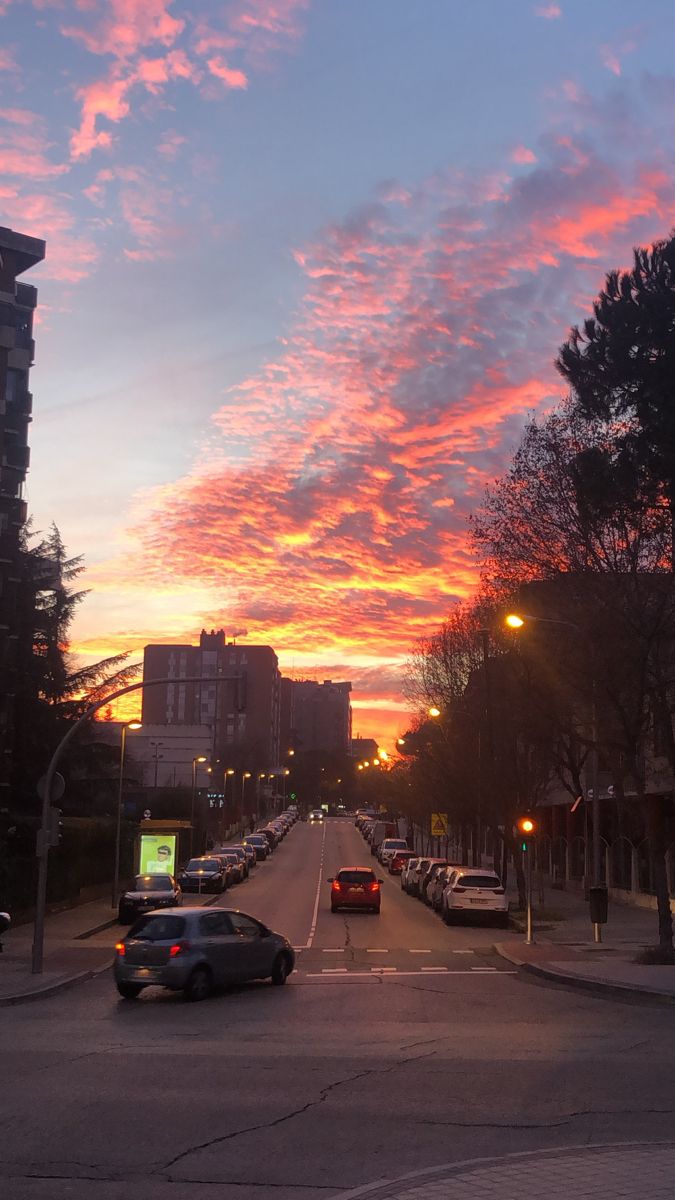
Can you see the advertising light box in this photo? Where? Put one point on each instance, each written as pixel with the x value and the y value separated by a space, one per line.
pixel 158 854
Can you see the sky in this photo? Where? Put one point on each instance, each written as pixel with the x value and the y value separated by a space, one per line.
pixel 308 266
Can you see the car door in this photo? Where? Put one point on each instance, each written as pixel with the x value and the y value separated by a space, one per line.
pixel 256 951
pixel 214 932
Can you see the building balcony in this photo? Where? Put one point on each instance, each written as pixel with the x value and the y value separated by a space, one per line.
pixel 11 480
pixel 17 457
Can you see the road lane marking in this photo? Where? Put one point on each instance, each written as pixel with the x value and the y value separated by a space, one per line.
pixel 340 950
pixel 339 976
pixel 384 970
pixel 334 970
pixel 483 968
pixel 434 970
pixel 420 951
pixel 377 951
pixel 315 914
pixel 463 951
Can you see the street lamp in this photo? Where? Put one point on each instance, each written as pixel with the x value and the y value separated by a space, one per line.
pixel 434 712
pixel 230 772
pixel 118 829
pixel 244 776
pixel 199 758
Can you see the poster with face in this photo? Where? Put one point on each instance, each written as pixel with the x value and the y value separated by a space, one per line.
pixel 158 854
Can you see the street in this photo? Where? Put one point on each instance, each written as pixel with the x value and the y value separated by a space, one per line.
pixel 399 1044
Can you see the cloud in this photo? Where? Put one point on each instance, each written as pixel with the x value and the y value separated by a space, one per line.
pixel 521 154
pixel 8 60
pixel 230 77
pixel 550 12
pixel 71 250
pixel 330 501
pixel 124 27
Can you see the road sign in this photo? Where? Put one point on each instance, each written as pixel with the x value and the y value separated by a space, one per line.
pixel 439 824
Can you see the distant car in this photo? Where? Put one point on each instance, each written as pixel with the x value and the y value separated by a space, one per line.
pixel 472 892
pixel 203 875
pixel 398 861
pixel 416 875
pixel 389 847
pixel 194 950
pixel 148 892
pixel 355 887
pixel 435 865
pixel 407 872
pixel 271 836
pixel 438 883
pixel 260 844
pixel 239 869
pixel 317 814
pixel 250 853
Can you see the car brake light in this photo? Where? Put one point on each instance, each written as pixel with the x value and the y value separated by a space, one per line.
pixel 374 887
pixel 178 948
pixel 121 949
pixel 336 886
pixel 459 889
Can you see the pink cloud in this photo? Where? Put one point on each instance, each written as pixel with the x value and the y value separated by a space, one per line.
pixel 613 53
pixel 521 154
pixel 8 59
pixel 170 144
pixel 550 12
pixel 231 78
pixel 127 26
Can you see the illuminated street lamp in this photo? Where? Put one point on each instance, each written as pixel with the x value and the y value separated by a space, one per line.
pixel 434 712
pixel 118 830
pixel 199 758
pixel 244 776
pixel 514 621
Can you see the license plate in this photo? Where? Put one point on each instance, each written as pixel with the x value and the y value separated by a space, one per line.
pixel 357 889
pixel 480 901
pixel 143 973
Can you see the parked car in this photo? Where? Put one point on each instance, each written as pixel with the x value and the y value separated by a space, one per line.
pixel 432 870
pixel 415 876
pixel 259 843
pixel 471 892
pixel 379 831
pixel 355 887
pixel 5 923
pixel 270 835
pixel 238 868
pixel 203 875
pixel 398 861
pixel 146 893
pixel 194 950
pixel 407 873
pixel 438 884
pixel 389 847
pixel 316 814
pixel 251 858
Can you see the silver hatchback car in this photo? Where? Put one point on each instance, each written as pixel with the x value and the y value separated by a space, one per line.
pixel 194 950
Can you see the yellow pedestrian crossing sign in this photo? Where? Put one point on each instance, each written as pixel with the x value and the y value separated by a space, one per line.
pixel 439 824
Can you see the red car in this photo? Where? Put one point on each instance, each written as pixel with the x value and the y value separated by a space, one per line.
pixel 355 887
pixel 397 861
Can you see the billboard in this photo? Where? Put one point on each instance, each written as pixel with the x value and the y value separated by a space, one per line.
pixel 157 854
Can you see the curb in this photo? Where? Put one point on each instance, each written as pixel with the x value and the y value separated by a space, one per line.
pixel 51 989
pixel 601 987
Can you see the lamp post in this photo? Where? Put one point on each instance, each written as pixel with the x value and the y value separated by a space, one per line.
pixel 118 826
pixel 226 774
pixel 516 621
pixel 244 776
pixel 199 758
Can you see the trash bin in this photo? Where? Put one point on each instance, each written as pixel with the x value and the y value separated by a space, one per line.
pixel 598 903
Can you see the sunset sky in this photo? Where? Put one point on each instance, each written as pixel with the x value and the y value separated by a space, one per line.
pixel 308 265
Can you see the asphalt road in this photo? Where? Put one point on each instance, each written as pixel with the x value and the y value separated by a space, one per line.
pixel 398 1044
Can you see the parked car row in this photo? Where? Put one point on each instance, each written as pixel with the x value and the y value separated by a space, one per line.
pixel 375 829
pixel 221 868
pixel 455 891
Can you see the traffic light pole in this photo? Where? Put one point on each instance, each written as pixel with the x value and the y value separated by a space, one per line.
pixel 529 939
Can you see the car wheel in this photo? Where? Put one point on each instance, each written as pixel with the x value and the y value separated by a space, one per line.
pixel 129 991
pixel 280 970
pixel 199 986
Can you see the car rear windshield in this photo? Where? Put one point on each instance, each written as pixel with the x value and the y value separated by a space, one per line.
pixel 403 854
pixel 153 883
pixel 478 881
pixel 158 929
pixel 395 844
pixel 256 839
pixel 203 864
pixel 356 877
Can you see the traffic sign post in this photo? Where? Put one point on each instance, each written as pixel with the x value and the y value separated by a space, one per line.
pixel 439 824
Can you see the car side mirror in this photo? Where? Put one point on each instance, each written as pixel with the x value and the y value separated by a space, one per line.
pixel 331 880
pixel 380 881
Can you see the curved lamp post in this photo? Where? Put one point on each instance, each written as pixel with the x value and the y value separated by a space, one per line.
pixel 118 828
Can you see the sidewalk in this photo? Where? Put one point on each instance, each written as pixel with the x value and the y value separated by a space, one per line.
pixel 585 1172
pixel 564 950
pixel 79 944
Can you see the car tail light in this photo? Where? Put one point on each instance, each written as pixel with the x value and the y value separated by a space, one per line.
pixel 121 949
pixel 178 948
pixel 336 886
pixel 459 889
pixel 374 887
pixel 499 891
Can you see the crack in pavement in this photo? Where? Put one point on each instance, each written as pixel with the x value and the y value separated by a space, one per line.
pixel 552 1124
pixel 297 1112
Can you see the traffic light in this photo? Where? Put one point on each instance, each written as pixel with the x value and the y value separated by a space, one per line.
pixel 527 831
pixel 294 795
pixel 55 830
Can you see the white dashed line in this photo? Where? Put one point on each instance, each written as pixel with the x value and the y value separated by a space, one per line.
pixel 315 914
pixel 384 970
pixel 341 950
pixel 435 970
pixel 483 968
pixel 420 951
pixel 463 952
pixel 377 951
pixel 379 973
pixel 333 970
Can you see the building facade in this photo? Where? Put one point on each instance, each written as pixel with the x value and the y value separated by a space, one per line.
pixel 18 253
pixel 242 711
pixel 321 716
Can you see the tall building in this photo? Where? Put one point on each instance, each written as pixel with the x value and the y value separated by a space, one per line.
pixel 321 716
pixel 242 711
pixel 17 303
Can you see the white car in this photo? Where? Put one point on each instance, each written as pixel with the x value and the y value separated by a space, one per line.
pixel 388 849
pixel 317 814
pixel 471 891
pixel 408 869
